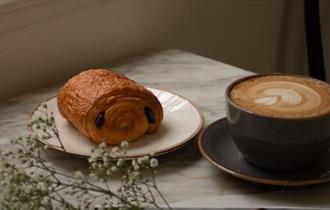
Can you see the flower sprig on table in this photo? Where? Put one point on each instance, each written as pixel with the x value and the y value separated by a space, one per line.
pixel 29 181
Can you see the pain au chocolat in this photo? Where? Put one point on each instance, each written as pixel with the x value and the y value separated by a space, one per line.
pixel 108 107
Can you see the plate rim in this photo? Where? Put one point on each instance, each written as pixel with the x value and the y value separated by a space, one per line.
pixel 166 150
pixel 251 178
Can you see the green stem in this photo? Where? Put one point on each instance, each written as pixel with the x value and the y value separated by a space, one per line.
pixel 158 191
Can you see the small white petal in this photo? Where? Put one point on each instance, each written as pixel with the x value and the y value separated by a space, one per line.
pixel 124 144
pixel 153 162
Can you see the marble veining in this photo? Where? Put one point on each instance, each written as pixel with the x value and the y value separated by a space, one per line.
pixel 185 178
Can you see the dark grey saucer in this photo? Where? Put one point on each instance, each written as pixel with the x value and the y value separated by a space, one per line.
pixel 217 146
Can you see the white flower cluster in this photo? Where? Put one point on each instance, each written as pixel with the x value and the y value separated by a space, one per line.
pixel 28 181
pixel 107 161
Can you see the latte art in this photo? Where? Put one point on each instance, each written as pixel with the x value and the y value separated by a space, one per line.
pixel 278 95
pixel 283 96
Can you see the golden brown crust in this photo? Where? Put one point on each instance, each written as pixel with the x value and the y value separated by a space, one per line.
pixel 121 101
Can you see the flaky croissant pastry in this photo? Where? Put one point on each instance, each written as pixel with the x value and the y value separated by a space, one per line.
pixel 108 107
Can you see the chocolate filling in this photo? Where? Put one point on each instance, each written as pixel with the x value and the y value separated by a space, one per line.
pixel 99 121
pixel 150 115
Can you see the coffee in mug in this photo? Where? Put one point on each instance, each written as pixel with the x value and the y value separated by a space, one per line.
pixel 282 96
pixel 279 121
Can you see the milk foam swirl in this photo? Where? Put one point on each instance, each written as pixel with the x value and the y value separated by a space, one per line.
pixel 284 96
pixel 276 95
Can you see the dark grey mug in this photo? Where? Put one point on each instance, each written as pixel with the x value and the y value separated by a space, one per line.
pixel 278 144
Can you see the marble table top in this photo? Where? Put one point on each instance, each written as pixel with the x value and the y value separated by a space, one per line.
pixel 185 178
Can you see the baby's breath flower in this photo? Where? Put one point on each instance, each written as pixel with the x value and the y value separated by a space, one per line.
pixel 45 201
pixel 135 173
pixel 78 175
pixel 103 145
pixel 115 150
pixel 27 188
pixel 92 158
pixel 145 158
pixel 41 186
pixel 94 165
pixel 114 169
pixel 153 162
pixel 124 144
pixel 120 162
pixel 135 165
pixel 139 160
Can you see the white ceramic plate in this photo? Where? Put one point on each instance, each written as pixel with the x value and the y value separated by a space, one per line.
pixel 182 121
